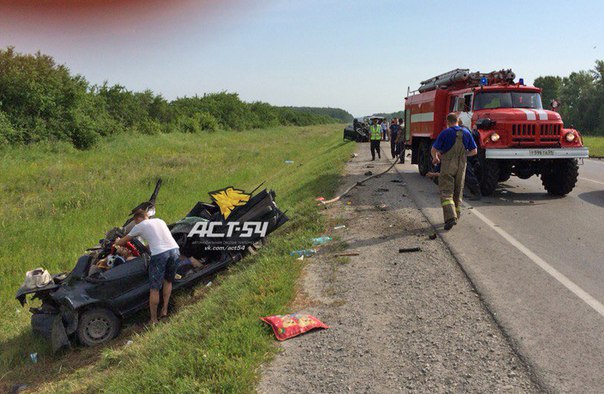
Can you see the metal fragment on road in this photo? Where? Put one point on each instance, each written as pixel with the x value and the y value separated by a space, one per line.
pixel 410 250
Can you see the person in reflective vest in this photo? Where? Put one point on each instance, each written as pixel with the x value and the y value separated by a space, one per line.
pixel 451 149
pixel 375 135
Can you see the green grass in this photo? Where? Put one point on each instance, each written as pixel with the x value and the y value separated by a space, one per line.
pixel 595 145
pixel 57 201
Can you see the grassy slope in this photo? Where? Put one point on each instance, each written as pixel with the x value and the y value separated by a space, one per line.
pixel 62 201
pixel 595 145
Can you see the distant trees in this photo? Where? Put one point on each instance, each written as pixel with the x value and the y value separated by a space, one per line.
pixel 581 95
pixel 335 113
pixel 41 101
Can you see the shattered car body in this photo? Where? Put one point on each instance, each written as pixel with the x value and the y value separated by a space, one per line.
pixel 88 305
pixel 358 131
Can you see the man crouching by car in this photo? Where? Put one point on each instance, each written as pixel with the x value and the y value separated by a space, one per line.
pixel 164 258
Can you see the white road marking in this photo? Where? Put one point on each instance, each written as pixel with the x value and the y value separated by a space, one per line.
pixel 566 282
pixel 591 180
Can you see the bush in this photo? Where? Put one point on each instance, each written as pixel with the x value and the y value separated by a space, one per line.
pixel 206 121
pixel 188 124
pixel 150 127
pixel 8 134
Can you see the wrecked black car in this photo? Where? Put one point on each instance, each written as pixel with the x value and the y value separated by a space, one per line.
pixel 88 304
pixel 358 131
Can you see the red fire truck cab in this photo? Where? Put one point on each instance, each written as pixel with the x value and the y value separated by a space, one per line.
pixel 514 134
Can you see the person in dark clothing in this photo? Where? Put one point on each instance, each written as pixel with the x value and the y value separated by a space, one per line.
pixel 395 148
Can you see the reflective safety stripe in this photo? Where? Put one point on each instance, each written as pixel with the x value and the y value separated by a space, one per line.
pixel 447 202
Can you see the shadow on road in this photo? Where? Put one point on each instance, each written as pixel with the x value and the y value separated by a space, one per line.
pixel 596 198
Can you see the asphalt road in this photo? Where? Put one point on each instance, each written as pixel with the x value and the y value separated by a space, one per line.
pixel 538 263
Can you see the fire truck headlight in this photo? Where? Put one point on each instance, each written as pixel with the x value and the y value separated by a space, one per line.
pixel 494 137
pixel 570 136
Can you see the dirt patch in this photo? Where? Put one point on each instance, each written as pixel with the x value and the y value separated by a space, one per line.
pixel 399 321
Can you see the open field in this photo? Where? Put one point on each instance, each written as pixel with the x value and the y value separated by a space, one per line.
pixel 596 145
pixel 57 201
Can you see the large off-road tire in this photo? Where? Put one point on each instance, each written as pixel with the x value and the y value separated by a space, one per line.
pixel 424 160
pixel 560 177
pixel 488 176
pixel 97 326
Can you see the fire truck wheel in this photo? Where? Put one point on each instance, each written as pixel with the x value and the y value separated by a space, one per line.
pixel 505 172
pixel 424 160
pixel 560 177
pixel 489 176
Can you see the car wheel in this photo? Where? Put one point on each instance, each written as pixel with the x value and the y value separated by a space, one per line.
pixel 97 326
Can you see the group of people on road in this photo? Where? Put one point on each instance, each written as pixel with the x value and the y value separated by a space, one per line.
pixel 450 153
pixel 384 130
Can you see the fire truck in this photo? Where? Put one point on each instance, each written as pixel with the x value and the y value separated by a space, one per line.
pixel 514 134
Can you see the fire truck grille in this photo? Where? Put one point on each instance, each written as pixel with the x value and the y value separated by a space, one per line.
pixel 523 132
pixel 550 132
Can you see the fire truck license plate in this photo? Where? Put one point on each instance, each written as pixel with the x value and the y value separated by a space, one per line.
pixel 541 152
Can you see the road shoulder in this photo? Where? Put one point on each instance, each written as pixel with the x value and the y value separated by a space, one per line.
pixel 399 321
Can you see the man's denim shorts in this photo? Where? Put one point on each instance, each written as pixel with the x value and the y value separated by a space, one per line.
pixel 163 266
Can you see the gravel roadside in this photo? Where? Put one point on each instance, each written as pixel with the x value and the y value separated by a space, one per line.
pixel 400 322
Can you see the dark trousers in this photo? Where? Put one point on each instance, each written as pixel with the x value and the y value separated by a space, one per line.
pixel 397 150
pixel 375 147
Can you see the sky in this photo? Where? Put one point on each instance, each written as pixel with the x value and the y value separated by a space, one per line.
pixel 357 55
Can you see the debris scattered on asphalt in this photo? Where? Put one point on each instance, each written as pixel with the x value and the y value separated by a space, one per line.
pixel 289 162
pixel 346 254
pixel 410 250
pixel 303 252
pixel 432 236
pixel 531 202
pixel 369 166
pixel 348 203
pixel 321 240
pixel 33 357
pixel 368 173
pixel 382 207
pixel 397 181
pixel 341 226
pixel 289 326
pixel 382 190
pixel 354 155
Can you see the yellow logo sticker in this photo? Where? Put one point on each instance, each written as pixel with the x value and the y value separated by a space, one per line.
pixel 229 198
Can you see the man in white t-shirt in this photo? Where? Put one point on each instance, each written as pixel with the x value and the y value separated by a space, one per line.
pixel 164 258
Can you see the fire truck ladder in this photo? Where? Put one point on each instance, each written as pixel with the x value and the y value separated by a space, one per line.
pixel 463 77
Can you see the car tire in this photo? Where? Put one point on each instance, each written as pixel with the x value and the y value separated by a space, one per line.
pixel 97 326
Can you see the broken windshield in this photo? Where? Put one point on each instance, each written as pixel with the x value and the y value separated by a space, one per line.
pixel 490 100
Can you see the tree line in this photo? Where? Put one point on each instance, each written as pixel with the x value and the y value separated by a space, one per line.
pixel 41 100
pixel 581 97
